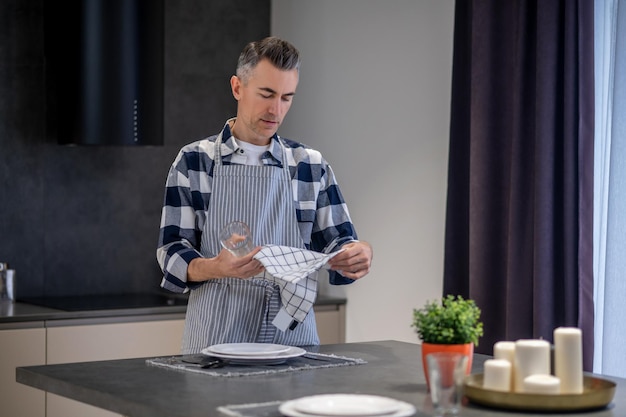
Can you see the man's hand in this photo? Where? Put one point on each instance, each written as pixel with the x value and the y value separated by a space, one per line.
pixel 354 261
pixel 225 264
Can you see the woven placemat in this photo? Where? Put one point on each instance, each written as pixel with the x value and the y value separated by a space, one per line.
pixel 300 363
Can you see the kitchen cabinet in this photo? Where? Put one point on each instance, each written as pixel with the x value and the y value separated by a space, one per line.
pixel 331 323
pixel 20 347
pixel 88 340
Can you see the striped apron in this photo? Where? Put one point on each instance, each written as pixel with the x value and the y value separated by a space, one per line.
pixel 231 310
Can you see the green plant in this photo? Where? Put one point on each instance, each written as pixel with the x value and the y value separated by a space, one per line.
pixel 449 321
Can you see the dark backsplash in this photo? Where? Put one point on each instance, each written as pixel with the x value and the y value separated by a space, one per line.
pixel 85 220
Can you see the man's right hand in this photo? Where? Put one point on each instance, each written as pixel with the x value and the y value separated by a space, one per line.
pixel 225 264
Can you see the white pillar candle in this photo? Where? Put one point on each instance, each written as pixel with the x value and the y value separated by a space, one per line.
pixel 542 384
pixel 497 375
pixel 532 357
pixel 568 359
pixel 504 350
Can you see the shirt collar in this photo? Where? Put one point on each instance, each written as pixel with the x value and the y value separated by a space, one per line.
pixel 230 146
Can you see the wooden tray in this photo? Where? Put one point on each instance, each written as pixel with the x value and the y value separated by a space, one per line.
pixel 598 393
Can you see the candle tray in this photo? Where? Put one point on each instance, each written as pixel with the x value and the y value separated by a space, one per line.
pixel 597 393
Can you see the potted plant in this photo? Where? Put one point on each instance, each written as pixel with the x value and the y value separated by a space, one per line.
pixel 451 324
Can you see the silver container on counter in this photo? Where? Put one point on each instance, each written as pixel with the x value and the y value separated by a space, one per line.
pixel 7 282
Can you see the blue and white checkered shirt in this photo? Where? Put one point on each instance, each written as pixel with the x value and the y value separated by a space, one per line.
pixel 321 211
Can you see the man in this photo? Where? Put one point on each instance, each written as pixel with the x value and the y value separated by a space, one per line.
pixel 287 194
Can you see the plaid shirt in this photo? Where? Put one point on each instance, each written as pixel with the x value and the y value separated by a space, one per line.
pixel 321 211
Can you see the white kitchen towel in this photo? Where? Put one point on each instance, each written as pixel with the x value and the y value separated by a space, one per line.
pixel 292 264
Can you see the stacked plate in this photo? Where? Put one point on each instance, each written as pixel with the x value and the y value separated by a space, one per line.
pixel 346 405
pixel 253 353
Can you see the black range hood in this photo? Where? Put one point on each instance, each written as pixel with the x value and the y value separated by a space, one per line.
pixel 104 71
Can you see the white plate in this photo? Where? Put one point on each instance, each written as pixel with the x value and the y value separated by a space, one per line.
pixel 273 359
pixel 248 349
pixel 346 405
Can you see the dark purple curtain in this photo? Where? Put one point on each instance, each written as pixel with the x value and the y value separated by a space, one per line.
pixel 520 189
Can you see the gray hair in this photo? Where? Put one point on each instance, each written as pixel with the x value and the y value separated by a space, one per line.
pixel 280 53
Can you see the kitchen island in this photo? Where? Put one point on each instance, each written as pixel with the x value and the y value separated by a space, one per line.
pixel 134 388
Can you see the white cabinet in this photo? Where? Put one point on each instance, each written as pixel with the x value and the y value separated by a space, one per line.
pixel 89 341
pixel 331 323
pixel 21 347
pixel 82 341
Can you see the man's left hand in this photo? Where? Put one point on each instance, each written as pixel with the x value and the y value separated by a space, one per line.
pixel 354 261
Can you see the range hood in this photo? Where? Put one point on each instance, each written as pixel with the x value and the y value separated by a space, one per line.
pixel 104 71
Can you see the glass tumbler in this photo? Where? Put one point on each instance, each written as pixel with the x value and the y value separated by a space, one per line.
pixel 237 238
pixel 446 374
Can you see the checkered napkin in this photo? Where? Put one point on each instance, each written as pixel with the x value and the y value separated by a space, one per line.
pixel 294 271
pixel 291 264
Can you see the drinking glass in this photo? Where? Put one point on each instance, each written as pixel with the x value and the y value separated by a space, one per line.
pixel 237 238
pixel 446 373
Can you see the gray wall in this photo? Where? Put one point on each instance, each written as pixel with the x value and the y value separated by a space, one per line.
pixel 85 220
pixel 374 98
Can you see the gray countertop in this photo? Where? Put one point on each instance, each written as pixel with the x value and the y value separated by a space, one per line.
pixel 24 315
pixel 135 389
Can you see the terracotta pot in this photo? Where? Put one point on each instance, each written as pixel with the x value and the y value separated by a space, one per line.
pixel 465 349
